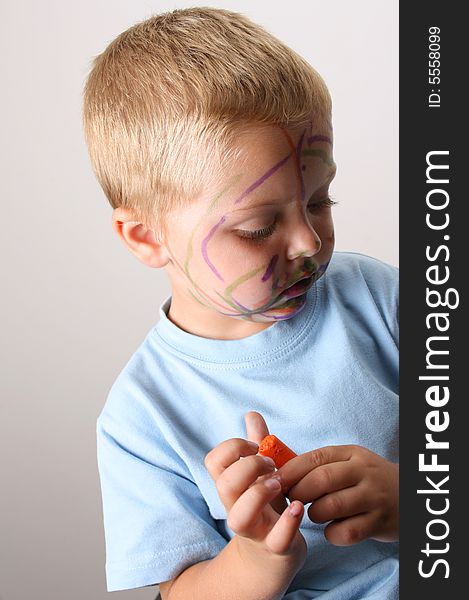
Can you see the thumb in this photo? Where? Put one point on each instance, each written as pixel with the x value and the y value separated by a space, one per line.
pixel 256 427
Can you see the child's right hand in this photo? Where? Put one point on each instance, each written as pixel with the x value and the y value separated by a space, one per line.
pixel 247 499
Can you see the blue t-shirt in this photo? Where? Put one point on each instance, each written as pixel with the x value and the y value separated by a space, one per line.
pixel 327 376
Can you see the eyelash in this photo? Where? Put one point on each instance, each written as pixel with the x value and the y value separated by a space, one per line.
pixel 265 232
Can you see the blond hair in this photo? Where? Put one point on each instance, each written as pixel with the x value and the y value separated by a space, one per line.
pixel 165 101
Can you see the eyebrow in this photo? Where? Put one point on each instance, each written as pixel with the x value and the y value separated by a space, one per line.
pixel 252 204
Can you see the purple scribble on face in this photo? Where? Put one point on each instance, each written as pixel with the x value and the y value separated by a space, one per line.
pixel 319 138
pixel 243 308
pixel 204 247
pixel 270 268
pixel 261 180
pixel 322 268
pixel 246 192
pixel 298 154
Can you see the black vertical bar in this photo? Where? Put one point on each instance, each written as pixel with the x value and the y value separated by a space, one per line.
pixel 433 253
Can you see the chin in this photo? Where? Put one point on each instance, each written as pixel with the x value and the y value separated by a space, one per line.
pixel 284 311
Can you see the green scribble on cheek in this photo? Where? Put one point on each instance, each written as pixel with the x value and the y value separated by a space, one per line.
pixel 228 293
pixel 237 282
pixel 324 156
pixel 230 289
pixel 231 182
pixel 197 299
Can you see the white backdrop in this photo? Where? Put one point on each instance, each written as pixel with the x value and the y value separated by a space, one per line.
pixel 75 304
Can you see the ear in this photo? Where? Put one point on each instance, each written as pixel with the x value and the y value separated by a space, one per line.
pixel 139 239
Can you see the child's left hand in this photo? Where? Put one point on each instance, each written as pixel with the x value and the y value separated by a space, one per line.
pixel 351 486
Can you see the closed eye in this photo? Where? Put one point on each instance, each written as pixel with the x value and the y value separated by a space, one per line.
pixel 265 232
pixel 258 234
pixel 323 203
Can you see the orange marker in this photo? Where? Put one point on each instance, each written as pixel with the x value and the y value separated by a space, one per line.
pixel 276 449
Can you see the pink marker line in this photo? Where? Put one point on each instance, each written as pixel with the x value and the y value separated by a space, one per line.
pixel 204 247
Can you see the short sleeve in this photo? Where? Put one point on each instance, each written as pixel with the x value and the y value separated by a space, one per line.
pixel 156 521
pixel 382 281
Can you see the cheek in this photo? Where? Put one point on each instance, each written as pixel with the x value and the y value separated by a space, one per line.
pixel 329 237
pixel 325 229
pixel 252 274
pixel 229 261
pixel 254 289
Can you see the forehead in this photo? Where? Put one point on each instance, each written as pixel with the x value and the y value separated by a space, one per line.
pixel 272 157
pixel 265 142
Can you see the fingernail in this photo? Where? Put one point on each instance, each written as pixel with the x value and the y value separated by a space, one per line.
pixel 272 484
pixel 277 476
pixel 253 445
pixel 295 509
pixel 269 461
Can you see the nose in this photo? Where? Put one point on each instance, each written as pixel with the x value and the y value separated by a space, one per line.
pixel 303 238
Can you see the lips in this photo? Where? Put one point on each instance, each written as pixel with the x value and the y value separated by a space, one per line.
pixel 298 288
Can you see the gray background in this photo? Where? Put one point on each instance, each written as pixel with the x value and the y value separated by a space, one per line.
pixel 75 303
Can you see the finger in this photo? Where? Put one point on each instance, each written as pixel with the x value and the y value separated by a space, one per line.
pixel 247 516
pixel 279 503
pixel 298 467
pixel 338 505
pixel 349 531
pixel 324 480
pixel 281 535
pixel 227 453
pixel 241 475
pixel 256 427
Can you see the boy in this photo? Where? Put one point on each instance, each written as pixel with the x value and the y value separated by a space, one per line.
pixel 213 143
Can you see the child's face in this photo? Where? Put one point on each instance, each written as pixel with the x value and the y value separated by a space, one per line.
pixel 248 250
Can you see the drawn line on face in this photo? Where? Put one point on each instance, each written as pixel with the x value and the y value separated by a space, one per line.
pixel 203 294
pixel 246 193
pixel 228 297
pixel 291 308
pixel 232 181
pixel 298 174
pixel 237 282
pixel 205 242
pixel 319 138
pixel 270 268
pixel 198 299
pixel 297 157
pixel 189 252
pixel 244 311
pixel 226 314
pixel 308 267
pixel 261 180
pixel 232 301
pixel 318 152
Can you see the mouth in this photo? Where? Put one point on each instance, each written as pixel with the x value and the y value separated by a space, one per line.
pixel 299 288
